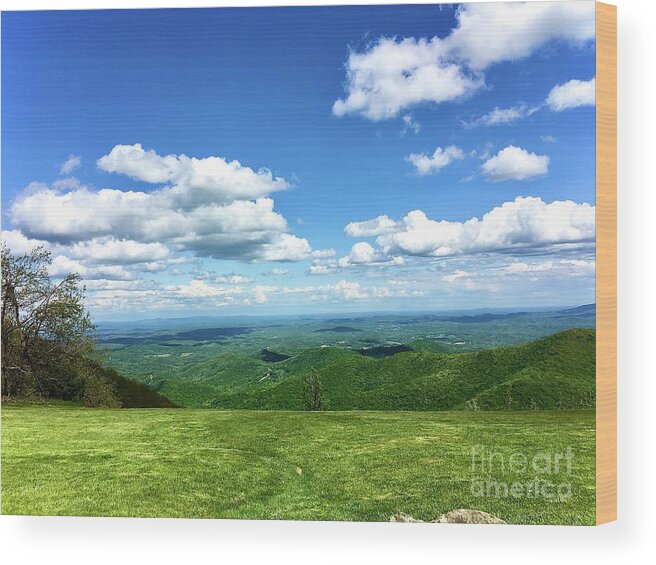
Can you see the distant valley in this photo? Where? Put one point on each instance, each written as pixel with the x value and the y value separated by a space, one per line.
pixel 469 360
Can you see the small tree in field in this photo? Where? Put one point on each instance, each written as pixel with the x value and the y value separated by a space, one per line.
pixel 509 398
pixel 312 392
pixel 45 327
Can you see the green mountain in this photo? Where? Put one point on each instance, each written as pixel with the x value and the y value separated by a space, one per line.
pixel 229 373
pixel 550 373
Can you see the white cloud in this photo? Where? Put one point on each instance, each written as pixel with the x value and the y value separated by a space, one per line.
pixel 489 33
pixel 192 181
pixel 548 138
pixel 362 253
pixel 68 183
pixel 278 272
pixel 286 247
pixel 200 289
pixel 233 279
pixel 72 163
pixel 500 116
pixel 391 74
pixel 260 293
pixel 573 266
pixel 377 226
pixel 518 226
pixel 343 289
pixel 453 277
pixel 409 123
pixel 124 285
pixel 18 244
pixel 321 269
pixel 114 251
pixel 97 258
pixel 572 94
pixel 323 253
pixel 211 209
pixel 62 265
pixel 579 264
pixel 515 163
pixel 323 262
pixel 426 164
pixel 350 290
pixel 521 267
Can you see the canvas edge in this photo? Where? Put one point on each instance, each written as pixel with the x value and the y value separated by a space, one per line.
pixel 606 262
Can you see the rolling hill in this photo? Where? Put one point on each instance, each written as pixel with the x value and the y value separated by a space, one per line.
pixel 557 372
pixel 229 373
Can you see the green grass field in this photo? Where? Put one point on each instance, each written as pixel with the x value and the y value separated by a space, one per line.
pixel 65 460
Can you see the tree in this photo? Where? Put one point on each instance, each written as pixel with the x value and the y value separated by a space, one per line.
pixel 472 405
pixel 312 392
pixel 45 328
pixel 509 398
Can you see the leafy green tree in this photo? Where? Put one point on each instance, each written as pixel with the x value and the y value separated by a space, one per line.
pixel 45 328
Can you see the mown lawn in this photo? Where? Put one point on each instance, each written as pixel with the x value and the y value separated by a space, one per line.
pixel 59 460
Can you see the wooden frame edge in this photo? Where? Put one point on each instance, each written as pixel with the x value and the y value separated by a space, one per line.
pixel 606 287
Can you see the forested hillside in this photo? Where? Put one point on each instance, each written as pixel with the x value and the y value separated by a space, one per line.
pixel 557 372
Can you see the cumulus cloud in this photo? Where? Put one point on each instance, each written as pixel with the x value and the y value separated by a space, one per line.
pixel 520 226
pixel 323 253
pixel 114 251
pixel 427 164
pixel 350 290
pixel 285 247
pixel 377 226
pixel 210 207
pixel 68 166
pixel 193 181
pixel 18 244
pixel 362 253
pixel 62 265
pixel 493 32
pixel 391 75
pixel 515 163
pixel 572 94
pixel 97 258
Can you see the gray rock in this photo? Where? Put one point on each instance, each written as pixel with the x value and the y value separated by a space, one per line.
pixel 402 517
pixel 466 516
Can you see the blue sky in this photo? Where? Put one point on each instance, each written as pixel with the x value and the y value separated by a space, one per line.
pixel 336 116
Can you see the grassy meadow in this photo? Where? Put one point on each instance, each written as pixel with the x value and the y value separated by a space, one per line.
pixel 365 466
